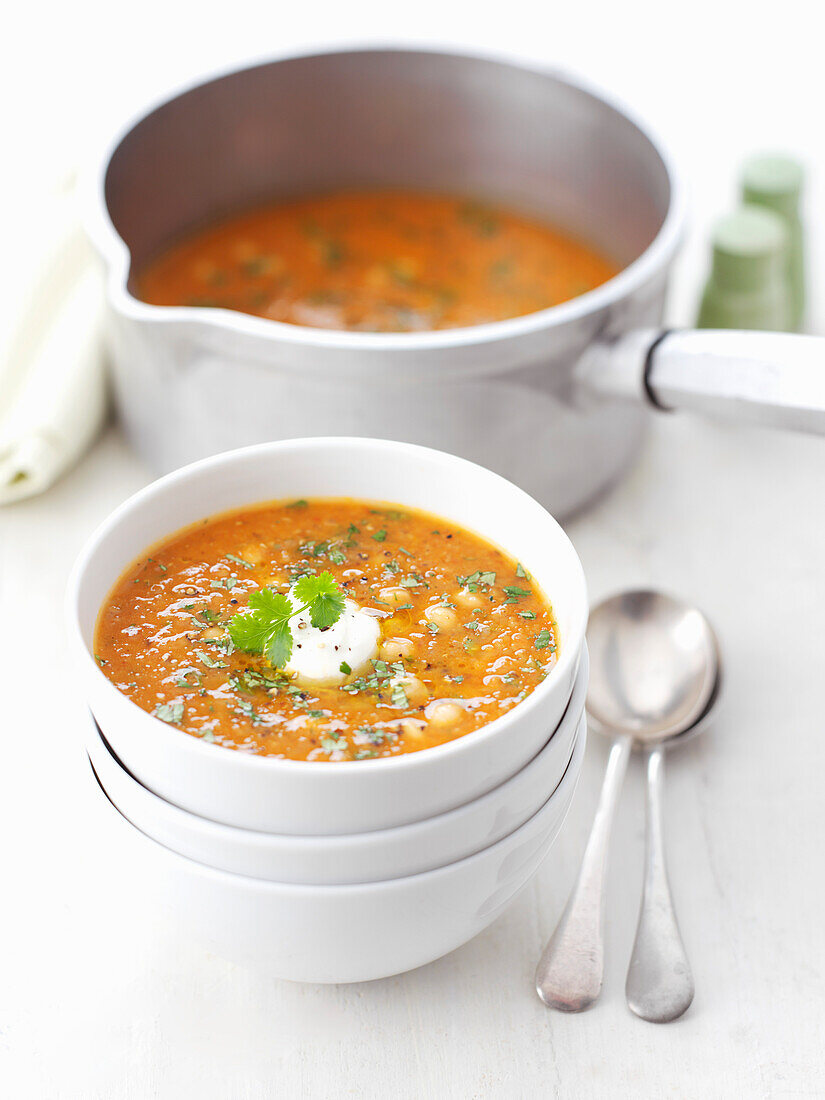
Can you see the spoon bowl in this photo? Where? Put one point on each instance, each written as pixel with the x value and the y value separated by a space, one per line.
pixel 654 666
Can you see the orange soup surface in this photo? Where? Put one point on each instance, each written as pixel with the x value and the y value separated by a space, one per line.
pixel 375 261
pixel 463 633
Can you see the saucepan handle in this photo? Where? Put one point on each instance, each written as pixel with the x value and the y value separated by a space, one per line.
pixel 771 378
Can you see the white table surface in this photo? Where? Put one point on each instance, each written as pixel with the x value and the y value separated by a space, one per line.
pixel 100 999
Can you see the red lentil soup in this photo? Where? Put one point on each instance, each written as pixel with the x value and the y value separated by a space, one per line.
pixel 465 633
pixel 375 261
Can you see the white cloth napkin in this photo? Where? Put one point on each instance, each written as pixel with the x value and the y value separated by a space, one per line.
pixel 53 393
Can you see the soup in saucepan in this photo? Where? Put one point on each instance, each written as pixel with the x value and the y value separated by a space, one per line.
pixel 380 261
pixel 326 630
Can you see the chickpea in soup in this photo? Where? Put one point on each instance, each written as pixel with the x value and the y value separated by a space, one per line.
pixel 326 630
pixel 375 261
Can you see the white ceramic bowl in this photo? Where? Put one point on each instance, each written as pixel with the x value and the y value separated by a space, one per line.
pixel 300 797
pixel 345 933
pixel 360 857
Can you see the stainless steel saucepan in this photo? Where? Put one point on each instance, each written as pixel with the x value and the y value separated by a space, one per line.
pixel 557 401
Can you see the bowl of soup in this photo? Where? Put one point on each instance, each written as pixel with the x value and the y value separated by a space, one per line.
pixel 462 616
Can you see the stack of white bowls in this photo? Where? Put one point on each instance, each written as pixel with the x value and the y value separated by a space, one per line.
pixel 338 872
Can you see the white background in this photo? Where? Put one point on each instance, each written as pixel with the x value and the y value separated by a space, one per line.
pixel 100 999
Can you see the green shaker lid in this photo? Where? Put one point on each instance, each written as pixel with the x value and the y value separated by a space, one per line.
pixel 748 249
pixel 773 181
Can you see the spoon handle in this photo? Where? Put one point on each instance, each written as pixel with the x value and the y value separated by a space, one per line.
pixel 569 974
pixel 659 984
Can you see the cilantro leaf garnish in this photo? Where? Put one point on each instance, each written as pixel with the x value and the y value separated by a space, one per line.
pixel 543 639
pixel 265 628
pixel 323 597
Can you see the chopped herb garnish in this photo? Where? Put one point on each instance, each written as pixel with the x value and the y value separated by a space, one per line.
pixel 265 627
pixel 522 572
pixel 210 662
pixel 485 579
pixel 169 712
pixel 379 536
pixel 333 253
pixel 513 593
pixel 501 269
pixel 245 708
pixel 479 218
pixel 323 550
pixel 298 504
pixel 377 681
pixel 398 697
pixel 239 561
pixel 335 742
pixel 527 614
pixel 373 736
pixel 344 667
pixel 544 638
pixel 256 265
pixel 225 582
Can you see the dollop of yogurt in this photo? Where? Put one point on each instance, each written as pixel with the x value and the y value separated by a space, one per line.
pixel 317 655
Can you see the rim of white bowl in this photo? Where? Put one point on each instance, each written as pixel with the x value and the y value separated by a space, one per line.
pixel 571 776
pixel 573 712
pixel 570 646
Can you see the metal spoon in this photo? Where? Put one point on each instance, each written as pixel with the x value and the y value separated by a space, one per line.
pixel 655 674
